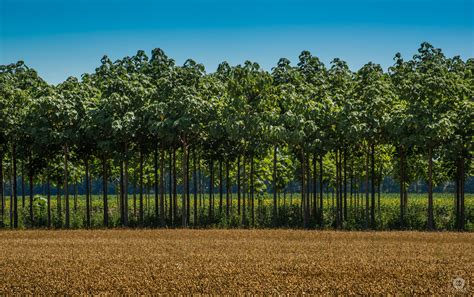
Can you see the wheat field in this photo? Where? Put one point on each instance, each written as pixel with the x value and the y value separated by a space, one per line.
pixel 234 261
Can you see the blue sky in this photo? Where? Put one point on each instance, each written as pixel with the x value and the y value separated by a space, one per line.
pixel 63 38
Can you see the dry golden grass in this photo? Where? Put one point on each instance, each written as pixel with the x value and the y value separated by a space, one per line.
pixel 234 261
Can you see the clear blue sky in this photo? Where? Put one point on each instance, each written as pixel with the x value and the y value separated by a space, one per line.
pixel 60 38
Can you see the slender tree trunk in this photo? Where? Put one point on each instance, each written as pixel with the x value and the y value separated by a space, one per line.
pixel 372 185
pixel 175 188
pixel 121 200
pixel 162 188
pixel 252 189
pixel 211 190
pixel 275 208
pixel 188 189
pixel 321 189
pixel 341 190
pixel 22 184
pixel 88 199
pixel 303 203
pixel 125 187
pixel 30 175
pixel 308 188
pixel 402 181
pixel 195 189
pixel 367 190
pixel 351 185
pixel 170 177
pixel 155 163
pixel 185 185
pixel 135 194
pixel 220 187
pixel 338 218
pixel 66 184
pixel 345 185
pixel 2 196
pixel 379 187
pixel 59 207
pixel 430 189
pixel 141 214
pixel 315 188
pixel 227 195
pixel 48 197
pixel 105 188
pixel 238 185
pixel 462 181
pixel 457 194
pixel 200 183
pixel 12 190
pixel 244 219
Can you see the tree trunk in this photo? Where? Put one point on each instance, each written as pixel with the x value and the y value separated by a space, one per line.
pixel 58 203
pixel 141 214
pixel 315 188
pixel 155 165
pixel 220 186
pixel 303 196
pixel 30 175
pixel 457 197
pixel 170 180
pixel 88 200
pixel 372 185
pixel 275 207
pixel 195 189
pixel 227 195
pixel 321 186
pixel 175 188
pixel 2 196
pixel 238 185
pixel 338 218
pixel 367 190
pixel 211 189
pixel 430 190
pixel 185 185
pixel 66 184
pixel 252 189
pixel 308 188
pixel 125 187
pixel 105 188
pixel 134 194
pixel 379 187
pixel 345 185
pixel 462 181
pixel 22 184
pixel 121 200
pixel 402 181
pixel 200 183
pixel 244 219
pixel 188 189
pixel 48 199
pixel 162 188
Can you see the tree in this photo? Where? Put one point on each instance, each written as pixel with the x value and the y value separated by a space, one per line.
pixel 433 93
pixel 374 98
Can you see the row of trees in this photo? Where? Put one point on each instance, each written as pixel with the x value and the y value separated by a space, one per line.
pixel 256 130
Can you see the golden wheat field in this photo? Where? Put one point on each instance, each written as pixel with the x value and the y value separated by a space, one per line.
pixel 234 261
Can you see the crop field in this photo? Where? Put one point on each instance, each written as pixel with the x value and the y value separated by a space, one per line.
pixel 234 261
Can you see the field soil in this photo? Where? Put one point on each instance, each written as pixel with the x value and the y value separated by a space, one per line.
pixel 235 261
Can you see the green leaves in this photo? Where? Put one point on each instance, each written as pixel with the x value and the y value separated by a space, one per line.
pixel 138 103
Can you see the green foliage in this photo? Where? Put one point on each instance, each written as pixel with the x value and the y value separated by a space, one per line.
pixel 415 117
